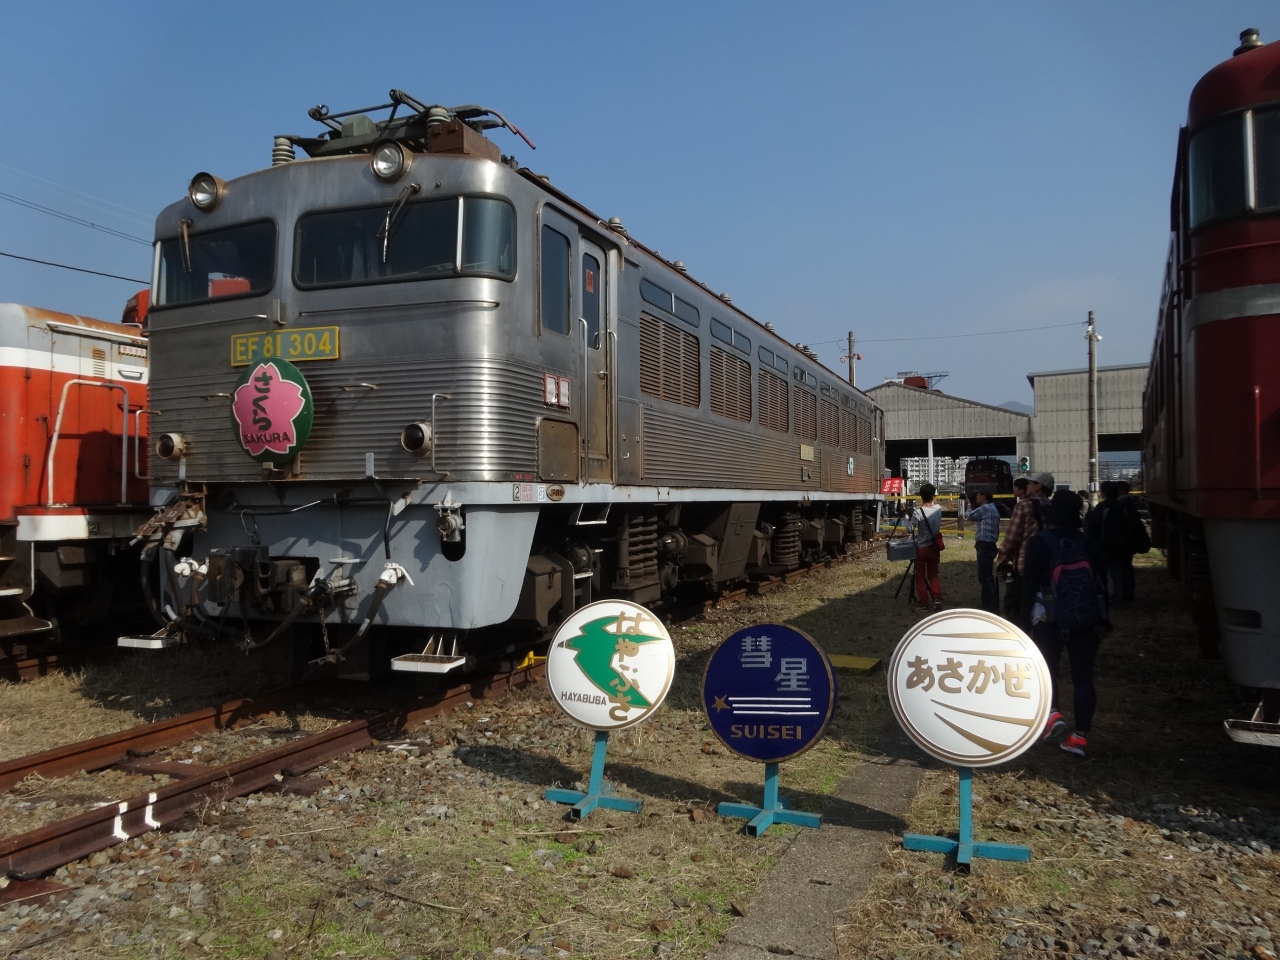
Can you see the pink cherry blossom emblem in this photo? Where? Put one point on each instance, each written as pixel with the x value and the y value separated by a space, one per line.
pixel 265 407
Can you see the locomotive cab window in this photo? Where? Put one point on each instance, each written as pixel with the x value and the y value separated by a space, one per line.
pixel 232 262
pixel 554 298
pixel 1218 170
pixel 417 241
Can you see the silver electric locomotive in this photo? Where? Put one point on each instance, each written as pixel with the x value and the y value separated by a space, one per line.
pixel 414 405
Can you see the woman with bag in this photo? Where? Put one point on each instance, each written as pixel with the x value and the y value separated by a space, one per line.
pixel 926 523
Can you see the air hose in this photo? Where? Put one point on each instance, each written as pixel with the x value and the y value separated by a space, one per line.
pixel 392 575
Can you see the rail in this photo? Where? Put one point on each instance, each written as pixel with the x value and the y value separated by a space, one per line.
pixel 124 437
pixel 29 855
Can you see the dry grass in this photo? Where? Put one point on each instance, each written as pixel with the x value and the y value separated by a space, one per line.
pixel 295 872
pixel 1106 864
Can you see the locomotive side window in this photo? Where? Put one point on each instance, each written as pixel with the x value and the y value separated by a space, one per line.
pixel 774 402
pixel 670 365
pixel 591 298
pixel 730 386
pixel 1218 187
pixel 806 415
pixel 235 261
pixel 555 281
pixel 722 331
pixel 488 238
pixel 687 312
pixel 654 294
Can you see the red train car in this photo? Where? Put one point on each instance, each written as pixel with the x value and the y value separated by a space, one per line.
pixel 1211 434
pixel 73 487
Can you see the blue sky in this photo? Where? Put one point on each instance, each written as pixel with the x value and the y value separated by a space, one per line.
pixel 904 170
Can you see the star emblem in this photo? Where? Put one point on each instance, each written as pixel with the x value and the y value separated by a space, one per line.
pixel 720 704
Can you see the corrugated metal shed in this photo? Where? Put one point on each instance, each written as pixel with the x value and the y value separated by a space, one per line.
pixel 1060 429
pixel 912 413
pixel 1055 437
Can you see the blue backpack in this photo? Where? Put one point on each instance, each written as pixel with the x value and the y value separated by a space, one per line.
pixel 1076 603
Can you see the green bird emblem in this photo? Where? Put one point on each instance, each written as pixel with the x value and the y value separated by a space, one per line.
pixel 594 648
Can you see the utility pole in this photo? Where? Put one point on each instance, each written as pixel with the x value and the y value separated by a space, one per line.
pixel 853 373
pixel 1091 335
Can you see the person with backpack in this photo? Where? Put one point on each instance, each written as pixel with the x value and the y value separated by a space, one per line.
pixel 1065 599
pixel 1118 529
pixel 1024 523
pixel 925 523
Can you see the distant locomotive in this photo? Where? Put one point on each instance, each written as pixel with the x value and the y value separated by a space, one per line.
pixel 73 395
pixel 1211 421
pixel 407 384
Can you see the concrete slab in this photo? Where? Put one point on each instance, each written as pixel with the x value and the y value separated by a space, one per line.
pixel 825 871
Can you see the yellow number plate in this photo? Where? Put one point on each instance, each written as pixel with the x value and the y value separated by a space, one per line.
pixel 298 344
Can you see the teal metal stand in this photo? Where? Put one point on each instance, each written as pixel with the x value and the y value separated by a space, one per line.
pixel 964 848
pixel 599 791
pixel 760 819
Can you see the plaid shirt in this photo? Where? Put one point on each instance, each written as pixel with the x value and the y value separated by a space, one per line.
pixel 1022 527
pixel 988 519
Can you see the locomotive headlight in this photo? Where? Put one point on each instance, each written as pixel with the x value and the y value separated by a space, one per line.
pixel 390 161
pixel 170 446
pixel 206 191
pixel 416 438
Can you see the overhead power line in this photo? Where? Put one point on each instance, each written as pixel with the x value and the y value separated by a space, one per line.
pixel 78 196
pixel 110 231
pixel 949 336
pixel 66 266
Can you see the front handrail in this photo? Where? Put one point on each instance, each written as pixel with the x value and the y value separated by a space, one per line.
pixel 124 438
pixel 435 434
pixel 137 436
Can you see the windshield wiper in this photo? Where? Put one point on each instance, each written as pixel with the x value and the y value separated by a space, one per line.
pixel 393 215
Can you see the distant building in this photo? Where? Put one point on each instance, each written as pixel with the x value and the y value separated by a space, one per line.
pixel 924 426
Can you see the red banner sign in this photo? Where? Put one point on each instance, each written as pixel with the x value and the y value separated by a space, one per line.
pixel 891 486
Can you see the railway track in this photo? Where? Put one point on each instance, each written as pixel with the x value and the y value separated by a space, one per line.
pixel 25 858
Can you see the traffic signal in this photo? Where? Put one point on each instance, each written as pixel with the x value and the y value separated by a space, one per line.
pixel 1024 464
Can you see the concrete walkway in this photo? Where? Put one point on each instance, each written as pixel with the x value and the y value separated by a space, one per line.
pixel 824 872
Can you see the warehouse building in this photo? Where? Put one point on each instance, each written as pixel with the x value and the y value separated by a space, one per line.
pixel 924 423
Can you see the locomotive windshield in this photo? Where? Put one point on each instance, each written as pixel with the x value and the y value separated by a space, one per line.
pixel 419 242
pixel 236 261
pixel 1235 166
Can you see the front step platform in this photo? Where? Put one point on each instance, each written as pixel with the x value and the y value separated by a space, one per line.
pixel 427 663
pixel 1255 731
pixel 23 623
pixel 160 640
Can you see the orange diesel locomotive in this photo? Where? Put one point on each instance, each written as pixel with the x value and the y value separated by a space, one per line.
pixel 73 486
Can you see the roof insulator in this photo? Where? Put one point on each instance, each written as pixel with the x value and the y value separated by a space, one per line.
pixel 726 298
pixel 679 265
pixel 615 224
pixel 282 151
pixel 1248 41
pixel 437 115
pixel 770 327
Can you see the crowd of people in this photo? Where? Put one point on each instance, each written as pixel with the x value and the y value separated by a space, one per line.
pixel 1063 567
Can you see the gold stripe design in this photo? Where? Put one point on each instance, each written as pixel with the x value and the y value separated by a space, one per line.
pixel 1002 635
pixel 989 745
pixel 1020 721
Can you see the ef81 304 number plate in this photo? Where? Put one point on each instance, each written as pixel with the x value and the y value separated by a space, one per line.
pixel 296 345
